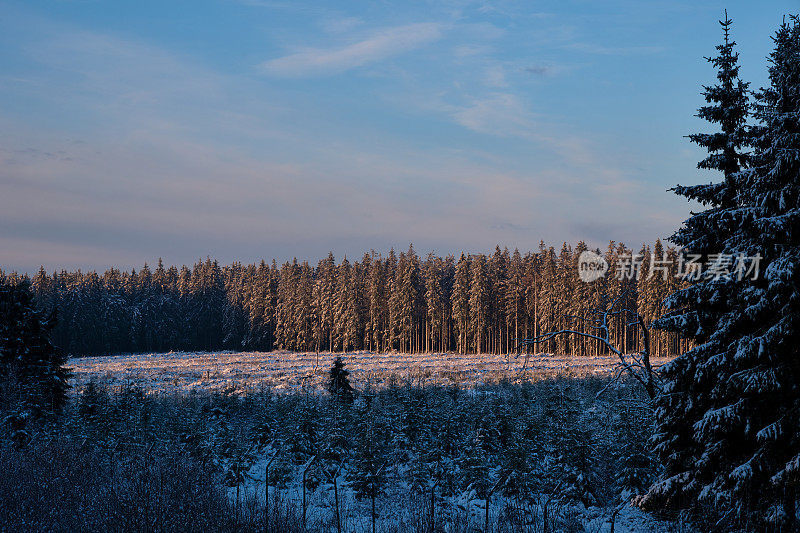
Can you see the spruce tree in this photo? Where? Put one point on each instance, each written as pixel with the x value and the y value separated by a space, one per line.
pixel 478 302
pixel 728 421
pixel 33 380
pixel 433 303
pixel 286 309
pixel 367 474
pixel 460 303
pixel 514 299
pixel 549 295
pixel 376 295
pixel 326 281
pixel 533 293
pixel 728 106
pixel 563 292
pixel 339 383
pixel 346 313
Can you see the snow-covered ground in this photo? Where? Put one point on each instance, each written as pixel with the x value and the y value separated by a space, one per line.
pixel 241 372
pixel 280 370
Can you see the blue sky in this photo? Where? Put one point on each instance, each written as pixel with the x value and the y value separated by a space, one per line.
pixel 249 129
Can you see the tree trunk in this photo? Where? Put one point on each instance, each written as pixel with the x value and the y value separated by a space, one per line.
pixel 433 507
pixel 486 526
pixel 336 501
pixel 372 495
pixel 790 506
pixel 304 500
pixel 266 499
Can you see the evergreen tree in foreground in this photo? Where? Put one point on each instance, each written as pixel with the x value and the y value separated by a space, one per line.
pixel 729 421
pixel 339 384
pixel 728 105
pixel 33 380
pixel 367 473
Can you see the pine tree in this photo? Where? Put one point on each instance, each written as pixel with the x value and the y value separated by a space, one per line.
pixel 288 307
pixel 369 464
pixel 583 302
pixel 533 292
pixel 346 319
pixel 339 383
pixel 644 290
pixel 548 298
pixel 378 305
pixel 405 299
pixel 478 302
pixel 325 300
pixel 497 270
pixel 434 304
pixel 447 283
pixel 728 422
pixel 234 321
pixel 564 305
pixel 728 106
pixel 258 336
pixel 460 303
pixel 33 379
pixel 514 299
pixel 376 295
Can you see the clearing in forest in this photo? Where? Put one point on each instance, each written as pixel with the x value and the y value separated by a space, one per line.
pixel 280 370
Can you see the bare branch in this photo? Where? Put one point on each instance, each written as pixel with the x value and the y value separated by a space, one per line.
pixel 638 365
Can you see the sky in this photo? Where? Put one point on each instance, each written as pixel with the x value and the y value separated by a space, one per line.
pixel 257 129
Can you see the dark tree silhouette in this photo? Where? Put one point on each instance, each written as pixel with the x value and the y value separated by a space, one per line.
pixel 339 384
pixel 727 422
pixel 33 380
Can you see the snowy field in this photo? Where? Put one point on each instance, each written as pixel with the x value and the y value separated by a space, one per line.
pixel 244 372
pixel 241 372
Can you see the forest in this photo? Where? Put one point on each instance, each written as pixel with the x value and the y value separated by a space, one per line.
pixel 476 303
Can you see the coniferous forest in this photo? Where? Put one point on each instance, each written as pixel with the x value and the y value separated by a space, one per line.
pixel 402 302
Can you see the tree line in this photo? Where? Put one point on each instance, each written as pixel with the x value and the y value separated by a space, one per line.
pixel 402 302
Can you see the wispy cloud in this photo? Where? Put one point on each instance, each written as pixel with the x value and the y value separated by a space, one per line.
pixel 614 50
pixel 496 76
pixel 501 114
pixel 380 45
pixel 341 24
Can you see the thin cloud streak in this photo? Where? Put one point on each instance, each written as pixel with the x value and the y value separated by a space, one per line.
pixel 381 45
pixel 614 50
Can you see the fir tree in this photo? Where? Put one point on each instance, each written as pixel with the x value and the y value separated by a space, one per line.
pixel 514 299
pixel 460 303
pixel 376 295
pixel 728 107
pixel 325 296
pixel 562 290
pixel 33 379
pixel 434 304
pixel 549 295
pixel 339 383
pixel 728 421
pixel 478 302
pixel 369 463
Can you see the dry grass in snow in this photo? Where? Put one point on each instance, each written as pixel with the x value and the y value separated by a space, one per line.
pixel 279 370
